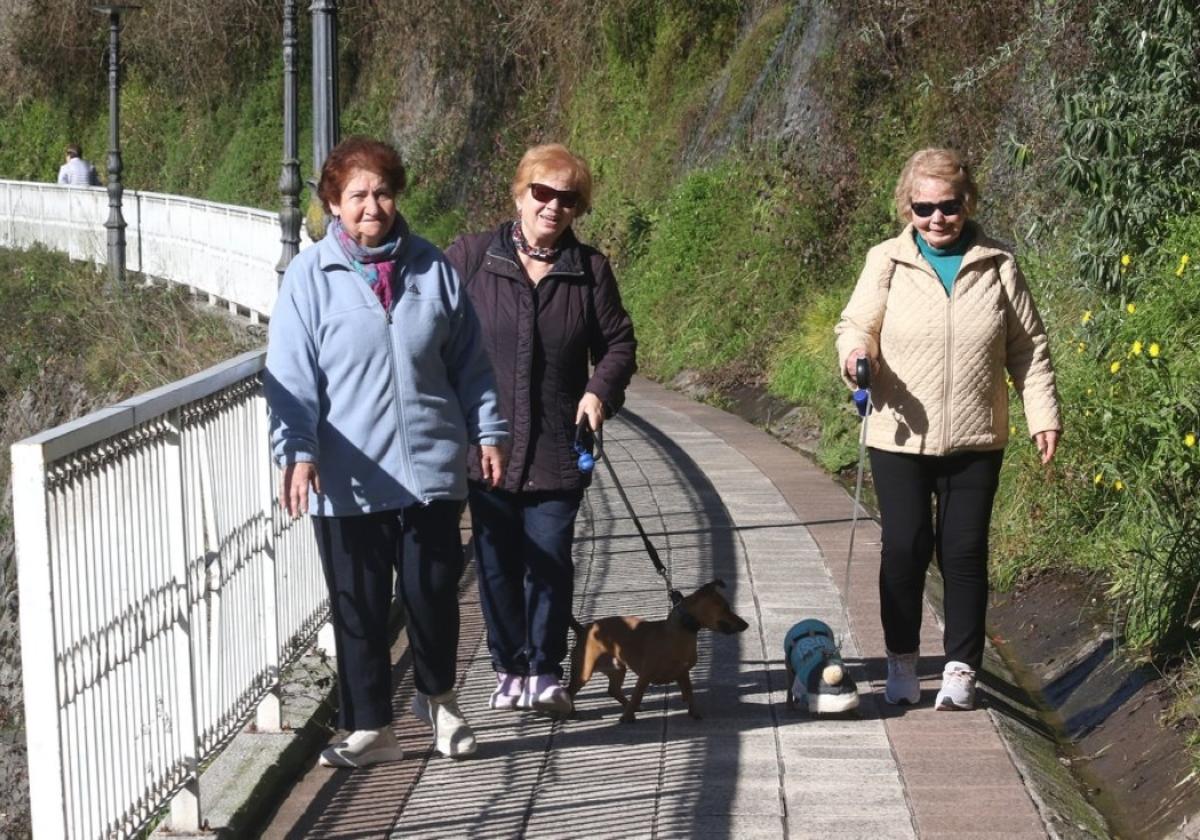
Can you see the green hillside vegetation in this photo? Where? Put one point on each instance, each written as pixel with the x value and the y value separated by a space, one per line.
pixel 745 154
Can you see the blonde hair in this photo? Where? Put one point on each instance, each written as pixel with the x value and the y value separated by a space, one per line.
pixel 556 158
pixel 945 165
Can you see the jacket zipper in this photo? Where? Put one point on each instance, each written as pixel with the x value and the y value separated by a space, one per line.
pixel 948 393
pixel 397 401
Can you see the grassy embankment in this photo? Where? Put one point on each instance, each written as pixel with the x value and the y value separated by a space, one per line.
pixel 736 258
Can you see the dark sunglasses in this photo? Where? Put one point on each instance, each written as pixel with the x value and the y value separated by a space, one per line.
pixel 544 194
pixel 925 209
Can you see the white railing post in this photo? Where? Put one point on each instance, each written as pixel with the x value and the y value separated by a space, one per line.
pixel 39 669
pixel 269 715
pixel 185 806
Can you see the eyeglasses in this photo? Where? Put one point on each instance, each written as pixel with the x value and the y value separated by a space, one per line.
pixel 925 209
pixel 544 194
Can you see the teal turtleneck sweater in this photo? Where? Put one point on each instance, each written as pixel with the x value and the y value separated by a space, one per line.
pixel 946 261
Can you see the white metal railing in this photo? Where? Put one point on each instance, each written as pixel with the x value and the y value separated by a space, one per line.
pixel 162 590
pixel 226 252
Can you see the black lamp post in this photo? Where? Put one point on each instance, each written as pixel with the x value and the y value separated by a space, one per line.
pixel 289 176
pixel 326 121
pixel 116 221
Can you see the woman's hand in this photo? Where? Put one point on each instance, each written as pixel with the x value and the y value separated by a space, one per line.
pixel 491 464
pixel 1047 444
pixel 293 490
pixel 852 364
pixel 591 408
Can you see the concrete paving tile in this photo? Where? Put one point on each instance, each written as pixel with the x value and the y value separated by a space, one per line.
pixel 885 828
pixel 802 769
pixel 739 826
pixel 824 797
pixel 716 796
pixel 1029 834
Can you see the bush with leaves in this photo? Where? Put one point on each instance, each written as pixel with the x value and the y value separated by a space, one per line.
pixel 1135 368
pixel 1131 131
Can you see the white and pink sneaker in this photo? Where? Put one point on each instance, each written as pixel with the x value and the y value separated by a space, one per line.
pixel 508 690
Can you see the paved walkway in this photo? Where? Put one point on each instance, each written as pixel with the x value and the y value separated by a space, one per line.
pixel 720 498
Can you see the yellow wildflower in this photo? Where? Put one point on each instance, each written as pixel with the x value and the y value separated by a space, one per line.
pixel 1012 430
pixel 1130 308
pixel 1114 367
pixel 1087 316
pixel 1155 349
pixel 1126 260
pixel 1090 391
pixel 1136 348
pixel 1118 485
pixel 1082 346
pixel 1183 261
pixel 1189 440
pixel 1098 479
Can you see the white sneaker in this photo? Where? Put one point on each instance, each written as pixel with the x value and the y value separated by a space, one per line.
pixel 508 690
pixel 452 735
pixel 958 688
pixel 362 748
pixel 902 683
pixel 544 694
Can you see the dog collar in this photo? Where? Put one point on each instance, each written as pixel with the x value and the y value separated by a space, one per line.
pixel 688 621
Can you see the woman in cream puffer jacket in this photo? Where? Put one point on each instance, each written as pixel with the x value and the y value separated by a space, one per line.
pixel 945 318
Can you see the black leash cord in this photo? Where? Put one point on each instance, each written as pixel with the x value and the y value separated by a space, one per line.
pixel 672 592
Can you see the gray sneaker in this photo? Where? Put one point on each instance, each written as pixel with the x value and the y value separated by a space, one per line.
pixel 958 688
pixel 902 683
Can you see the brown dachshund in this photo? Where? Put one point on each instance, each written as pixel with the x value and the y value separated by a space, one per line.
pixel 657 651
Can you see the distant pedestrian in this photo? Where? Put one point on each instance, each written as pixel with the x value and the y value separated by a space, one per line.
pixel 377 383
pixel 548 304
pixel 942 312
pixel 77 172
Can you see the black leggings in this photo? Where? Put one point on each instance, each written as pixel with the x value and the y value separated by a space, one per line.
pixel 964 485
pixel 422 545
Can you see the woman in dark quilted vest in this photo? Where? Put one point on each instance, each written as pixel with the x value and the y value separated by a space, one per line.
pixel 548 304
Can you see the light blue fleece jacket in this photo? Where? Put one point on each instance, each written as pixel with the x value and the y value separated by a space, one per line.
pixel 384 403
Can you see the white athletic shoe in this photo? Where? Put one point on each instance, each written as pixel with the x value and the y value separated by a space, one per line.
pixel 452 735
pixel 958 688
pixel 544 694
pixel 362 748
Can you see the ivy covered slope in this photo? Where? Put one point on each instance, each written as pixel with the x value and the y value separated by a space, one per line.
pixel 745 152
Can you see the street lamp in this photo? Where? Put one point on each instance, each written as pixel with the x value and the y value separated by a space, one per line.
pixel 289 176
pixel 326 128
pixel 116 222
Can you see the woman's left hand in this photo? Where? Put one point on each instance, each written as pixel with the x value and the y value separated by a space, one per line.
pixel 491 464
pixel 1047 443
pixel 591 408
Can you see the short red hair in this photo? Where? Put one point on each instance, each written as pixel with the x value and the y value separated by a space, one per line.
pixel 354 153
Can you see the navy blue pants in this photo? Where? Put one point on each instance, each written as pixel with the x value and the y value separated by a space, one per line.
pixel 526 575
pixel 421 545
pixel 964 486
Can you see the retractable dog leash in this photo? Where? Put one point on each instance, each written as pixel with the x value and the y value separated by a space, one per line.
pixel 862 402
pixel 587 463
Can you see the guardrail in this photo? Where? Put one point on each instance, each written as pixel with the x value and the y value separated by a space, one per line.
pixel 162 589
pixel 226 252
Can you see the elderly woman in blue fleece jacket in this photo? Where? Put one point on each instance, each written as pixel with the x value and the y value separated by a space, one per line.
pixel 377 382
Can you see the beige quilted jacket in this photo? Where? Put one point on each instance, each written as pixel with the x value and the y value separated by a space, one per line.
pixel 941 381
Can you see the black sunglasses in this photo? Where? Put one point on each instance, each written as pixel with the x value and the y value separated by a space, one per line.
pixel 544 194
pixel 925 209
